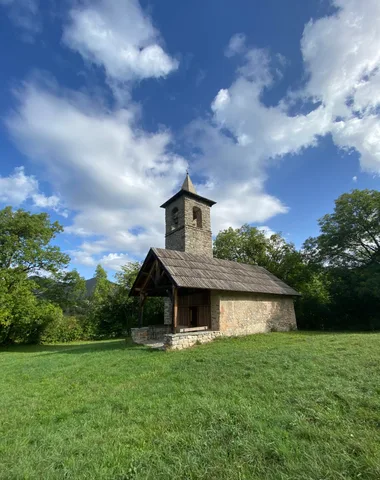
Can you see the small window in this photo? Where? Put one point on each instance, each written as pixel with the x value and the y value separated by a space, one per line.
pixel 174 217
pixel 197 217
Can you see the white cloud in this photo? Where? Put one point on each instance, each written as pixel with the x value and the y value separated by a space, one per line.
pixel 355 179
pixel 245 136
pixel 25 15
pixel 124 174
pixel 78 257
pixel 342 56
pixel 18 188
pixel 119 36
pixel 221 100
pixel 111 261
pixel 236 45
pixel 42 201
pixel 114 261
pixel 267 231
pixel 107 169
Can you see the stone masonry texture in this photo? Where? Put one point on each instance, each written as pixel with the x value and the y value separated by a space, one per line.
pixel 153 332
pixel 185 236
pixel 238 313
pixel 179 341
pixel 168 312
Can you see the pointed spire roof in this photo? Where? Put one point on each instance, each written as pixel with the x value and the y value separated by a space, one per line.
pixel 188 184
pixel 188 190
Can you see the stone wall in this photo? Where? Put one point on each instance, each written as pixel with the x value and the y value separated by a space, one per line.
pixel 248 313
pixel 175 234
pixel 168 311
pixel 152 332
pixel 176 240
pixel 232 314
pixel 180 341
pixel 197 240
pixel 185 236
pixel 180 204
pixel 215 310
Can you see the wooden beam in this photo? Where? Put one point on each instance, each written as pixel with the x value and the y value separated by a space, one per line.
pixel 157 274
pixel 141 309
pixel 193 329
pixel 149 274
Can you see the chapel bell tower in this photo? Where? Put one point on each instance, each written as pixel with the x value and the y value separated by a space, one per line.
pixel 188 222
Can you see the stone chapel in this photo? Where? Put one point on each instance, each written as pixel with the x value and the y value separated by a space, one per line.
pixel 206 297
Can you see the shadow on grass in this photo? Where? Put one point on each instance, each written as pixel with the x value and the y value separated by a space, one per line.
pixel 127 344
pixel 335 332
pixel 75 348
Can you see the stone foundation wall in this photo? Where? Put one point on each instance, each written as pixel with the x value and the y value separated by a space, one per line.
pixel 246 313
pixel 179 341
pixel 153 332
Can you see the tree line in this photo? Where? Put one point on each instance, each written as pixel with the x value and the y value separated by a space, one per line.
pixel 337 274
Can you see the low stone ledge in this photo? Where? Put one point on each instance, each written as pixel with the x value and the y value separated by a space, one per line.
pixel 139 335
pixel 152 332
pixel 179 341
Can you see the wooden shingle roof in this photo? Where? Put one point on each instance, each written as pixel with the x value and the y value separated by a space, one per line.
pixel 188 270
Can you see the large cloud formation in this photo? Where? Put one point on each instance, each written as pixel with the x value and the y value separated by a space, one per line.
pixel 113 175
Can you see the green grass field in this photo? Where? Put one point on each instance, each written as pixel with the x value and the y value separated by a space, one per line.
pixel 278 406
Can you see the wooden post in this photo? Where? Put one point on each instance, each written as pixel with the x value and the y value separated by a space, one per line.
pixel 175 309
pixel 141 309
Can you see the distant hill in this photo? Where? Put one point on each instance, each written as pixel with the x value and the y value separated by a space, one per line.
pixel 90 286
pixel 90 283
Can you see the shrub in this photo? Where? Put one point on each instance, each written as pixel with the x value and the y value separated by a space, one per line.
pixel 23 317
pixel 62 329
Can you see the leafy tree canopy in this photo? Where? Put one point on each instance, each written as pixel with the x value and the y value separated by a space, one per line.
pixel 66 289
pixel 350 236
pixel 103 286
pixel 251 246
pixel 25 250
pixel 128 274
pixel 25 243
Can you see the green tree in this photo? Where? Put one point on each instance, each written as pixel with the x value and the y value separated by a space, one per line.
pixel 25 250
pixel 102 286
pixel 119 312
pixel 350 236
pixel 313 308
pixel 348 252
pixel 127 275
pixel 66 289
pixel 25 243
pixel 99 301
pixel 245 245
pixel 251 246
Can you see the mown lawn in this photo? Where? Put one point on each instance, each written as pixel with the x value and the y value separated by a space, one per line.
pixel 278 406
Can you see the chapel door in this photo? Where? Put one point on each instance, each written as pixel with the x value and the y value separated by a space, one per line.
pixel 193 316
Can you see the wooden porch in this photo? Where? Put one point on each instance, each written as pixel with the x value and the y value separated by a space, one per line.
pixel 191 310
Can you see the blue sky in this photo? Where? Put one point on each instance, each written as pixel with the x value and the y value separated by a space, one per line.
pixel 273 106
